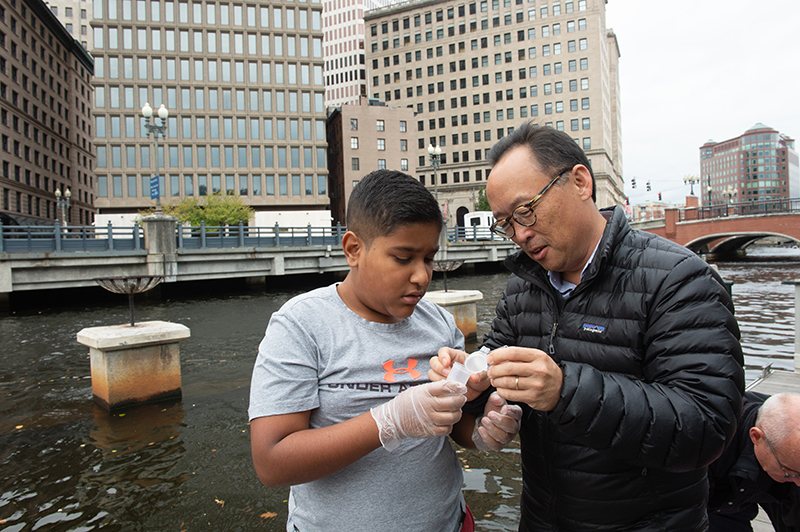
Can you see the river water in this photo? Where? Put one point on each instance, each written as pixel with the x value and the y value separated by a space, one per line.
pixel 186 466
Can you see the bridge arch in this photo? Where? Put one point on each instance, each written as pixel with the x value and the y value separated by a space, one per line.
pixel 731 243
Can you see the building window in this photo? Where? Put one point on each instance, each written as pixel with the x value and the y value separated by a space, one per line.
pixel 354 124
pixel 587 143
pixel 355 163
pixel 381 144
pixel 403 126
pixel 404 165
pixel 381 164
pixel 353 143
pixel 380 124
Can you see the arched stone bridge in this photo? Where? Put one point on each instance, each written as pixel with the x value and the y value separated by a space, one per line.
pixel 725 231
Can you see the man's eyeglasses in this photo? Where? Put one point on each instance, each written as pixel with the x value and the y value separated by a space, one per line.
pixel 524 214
pixel 771 448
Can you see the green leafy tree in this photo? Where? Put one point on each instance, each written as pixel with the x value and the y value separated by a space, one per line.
pixel 215 210
pixel 482 204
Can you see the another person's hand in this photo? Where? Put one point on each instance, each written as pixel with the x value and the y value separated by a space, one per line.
pixel 498 425
pixel 443 362
pixel 423 411
pixel 525 375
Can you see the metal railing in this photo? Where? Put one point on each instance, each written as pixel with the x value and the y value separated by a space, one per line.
pixel 48 239
pixel 745 208
pixel 474 233
pixel 204 237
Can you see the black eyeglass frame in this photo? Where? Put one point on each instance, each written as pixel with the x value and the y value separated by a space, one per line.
pixel 525 206
pixel 771 448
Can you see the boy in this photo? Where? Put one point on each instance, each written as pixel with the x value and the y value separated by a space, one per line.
pixel 341 372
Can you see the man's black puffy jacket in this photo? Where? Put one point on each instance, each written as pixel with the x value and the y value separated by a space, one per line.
pixel 653 384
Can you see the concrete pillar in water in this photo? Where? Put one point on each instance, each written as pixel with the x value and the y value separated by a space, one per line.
pixel 133 365
pixel 796 284
pixel 462 304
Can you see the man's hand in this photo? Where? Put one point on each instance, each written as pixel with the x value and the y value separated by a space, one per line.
pixel 440 369
pixel 526 375
pixel 499 424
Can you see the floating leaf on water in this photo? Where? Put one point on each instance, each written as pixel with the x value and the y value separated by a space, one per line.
pixel 18 427
pixel 268 515
pixel 221 503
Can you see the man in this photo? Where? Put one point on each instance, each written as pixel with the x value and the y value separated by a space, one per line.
pixel 761 466
pixel 625 351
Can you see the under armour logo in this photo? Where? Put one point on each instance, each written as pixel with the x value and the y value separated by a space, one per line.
pixel 391 372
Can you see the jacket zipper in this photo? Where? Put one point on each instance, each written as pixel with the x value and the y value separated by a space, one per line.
pixel 551 348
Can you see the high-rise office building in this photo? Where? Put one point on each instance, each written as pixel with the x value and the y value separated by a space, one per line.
pixel 45 119
pixel 244 87
pixel 74 15
pixel 345 68
pixel 474 69
pixel 760 164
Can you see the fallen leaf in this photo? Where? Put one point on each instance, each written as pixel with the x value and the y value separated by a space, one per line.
pixel 18 427
pixel 268 515
pixel 221 503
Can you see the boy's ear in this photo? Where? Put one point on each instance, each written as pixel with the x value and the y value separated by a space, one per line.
pixel 352 246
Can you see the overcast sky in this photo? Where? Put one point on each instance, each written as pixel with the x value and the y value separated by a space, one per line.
pixel 694 70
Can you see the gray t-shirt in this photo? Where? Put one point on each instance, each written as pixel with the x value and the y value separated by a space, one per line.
pixel 318 355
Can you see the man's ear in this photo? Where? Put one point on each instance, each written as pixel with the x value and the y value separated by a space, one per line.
pixel 756 434
pixel 583 180
pixel 353 247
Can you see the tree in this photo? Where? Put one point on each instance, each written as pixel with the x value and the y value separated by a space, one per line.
pixel 482 204
pixel 217 209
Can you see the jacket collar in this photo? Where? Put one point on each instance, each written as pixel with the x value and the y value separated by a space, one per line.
pixel 617 227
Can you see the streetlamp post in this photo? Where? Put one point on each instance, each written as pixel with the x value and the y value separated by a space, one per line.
pixel 63 205
pixel 435 153
pixel 691 180
pixel 709 189
pixel 156 131
pixel 730 192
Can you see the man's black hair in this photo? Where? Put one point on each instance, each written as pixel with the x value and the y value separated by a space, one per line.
pixel 386 200
pixel 553 150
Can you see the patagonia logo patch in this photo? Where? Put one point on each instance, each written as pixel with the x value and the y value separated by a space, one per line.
pixel 588 327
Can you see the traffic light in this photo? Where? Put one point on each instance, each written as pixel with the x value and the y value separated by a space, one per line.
pixel 633 182
pixel 648 186
pixel 659 196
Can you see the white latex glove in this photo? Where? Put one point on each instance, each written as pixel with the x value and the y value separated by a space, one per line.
pixel 424 411
pixel 498 425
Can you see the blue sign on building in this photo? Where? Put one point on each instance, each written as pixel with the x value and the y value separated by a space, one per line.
pixel 154 188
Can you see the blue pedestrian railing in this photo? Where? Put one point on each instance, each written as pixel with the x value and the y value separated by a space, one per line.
pixel 46 238
pixel 239 236
pixel 52 238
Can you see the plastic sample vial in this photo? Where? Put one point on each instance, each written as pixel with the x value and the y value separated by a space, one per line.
pixel 459 373
pixel 476 362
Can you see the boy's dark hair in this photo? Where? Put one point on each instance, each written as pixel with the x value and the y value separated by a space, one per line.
pixel 553 150
pixel 386 200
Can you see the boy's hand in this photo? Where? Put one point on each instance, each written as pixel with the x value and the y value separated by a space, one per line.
pixel 440 369
pixel 424 411
pixel 499 424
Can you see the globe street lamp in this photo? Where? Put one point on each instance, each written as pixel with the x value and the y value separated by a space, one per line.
pixel 63 205
pixel 435 153
pixel 730 192
pixel 691 180
pixel 156 131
